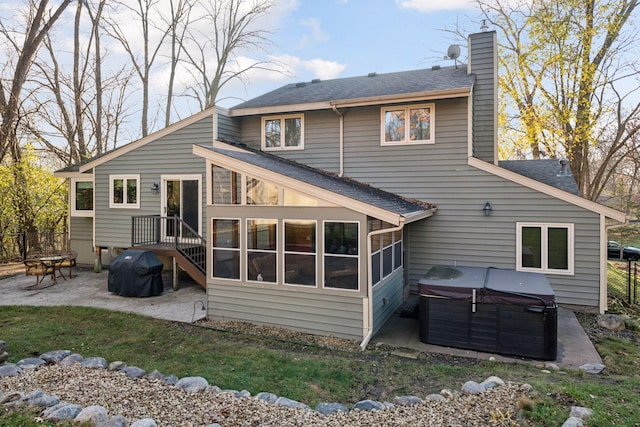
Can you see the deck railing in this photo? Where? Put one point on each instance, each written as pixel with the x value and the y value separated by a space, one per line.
pixel 172 232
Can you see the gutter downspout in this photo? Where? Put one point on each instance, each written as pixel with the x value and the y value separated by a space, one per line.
pixel 341 137
pixel 369 320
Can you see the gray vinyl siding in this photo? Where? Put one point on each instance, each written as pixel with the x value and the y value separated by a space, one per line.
pixel 168 155
pixel 482 59
pixel 321 140
pixel 315 313
pixel 315 310
pixel 388 296
pixel 81 238
pixel 227 127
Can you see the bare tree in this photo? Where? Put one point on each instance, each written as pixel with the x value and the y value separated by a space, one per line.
pixel 39 18
pixel 152 39
pixel 228 28
pixel 560 69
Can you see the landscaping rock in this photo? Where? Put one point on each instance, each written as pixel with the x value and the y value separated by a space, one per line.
pixel 55 356
pixel 94 414
pixel 593 368
pixel 118 365
pixel 552 366
pixel 145 422
pixel 4 356
pixel 134 372
pixel 9 370
pixel 94 363
pixel 67 411
pixel 573 422
pixel 581 412
pixel 472 387
pixel 154 376
pixel 331 408
pixel 15 398
pixel 407 400
pixel 170 379
pixel 192 384
pixel 40 398
pixel 214 389
pixel 437 397
pixel 290 403
pixel 267 397
pixel 3 346
pixel 30 363
pixel 492 382
pixel 368 405
pixel 72 359
pixel 613 322
pixel 117 421
pixel 448 394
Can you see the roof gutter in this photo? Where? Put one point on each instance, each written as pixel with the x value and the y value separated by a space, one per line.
pixel 367 319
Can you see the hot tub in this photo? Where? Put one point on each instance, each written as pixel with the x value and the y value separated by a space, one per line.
pixel 489 309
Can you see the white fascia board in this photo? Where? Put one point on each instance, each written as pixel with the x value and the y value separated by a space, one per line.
pixel 547 189
pixel 356 102
pixel 150 138
pixel 276 178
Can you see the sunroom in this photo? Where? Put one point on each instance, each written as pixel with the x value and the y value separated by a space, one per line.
pixel 294 247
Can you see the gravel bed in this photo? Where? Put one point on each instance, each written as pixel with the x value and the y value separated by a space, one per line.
pixel 170 406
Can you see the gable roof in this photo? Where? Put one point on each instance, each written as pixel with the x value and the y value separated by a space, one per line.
pixel 322 94
pixel 548 171
pixel 88 164
pixel 343 191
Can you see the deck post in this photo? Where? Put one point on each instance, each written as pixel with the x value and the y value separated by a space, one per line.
pixel 175 274
pixel 97 260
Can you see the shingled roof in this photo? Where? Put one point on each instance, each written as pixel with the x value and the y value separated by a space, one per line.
pixel 346 187
pixel 547 171
pixel 371 86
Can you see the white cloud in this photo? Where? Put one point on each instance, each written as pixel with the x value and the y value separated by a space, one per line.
pixel 435 5
pixel 323 69
pixel 317 33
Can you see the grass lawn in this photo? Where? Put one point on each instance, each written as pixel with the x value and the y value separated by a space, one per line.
pixel 310 373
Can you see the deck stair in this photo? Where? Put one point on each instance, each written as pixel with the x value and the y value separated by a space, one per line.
pixel 171 236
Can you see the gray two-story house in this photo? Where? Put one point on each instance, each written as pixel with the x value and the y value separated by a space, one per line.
pixel 321 204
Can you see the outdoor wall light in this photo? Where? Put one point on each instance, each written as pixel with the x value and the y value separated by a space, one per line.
pixel 155 188
pixel 487 209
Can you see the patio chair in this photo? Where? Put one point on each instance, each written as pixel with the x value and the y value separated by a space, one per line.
pixel 39 269
pixel 70 260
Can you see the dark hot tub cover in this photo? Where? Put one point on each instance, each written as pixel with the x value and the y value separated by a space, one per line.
pixel 136 274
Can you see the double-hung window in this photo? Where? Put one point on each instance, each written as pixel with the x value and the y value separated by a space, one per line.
pixel 409 124
pixel 262 255
pixel 81 197
pixel 123 190
pixel 544 248
pixel 283 132
pixel 300 252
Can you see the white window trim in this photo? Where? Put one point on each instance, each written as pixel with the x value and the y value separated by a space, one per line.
pixel 406 140
pixel 545 247
pixel 248 251
pixel 238 249
pixel 282 134
pixel 325 254
pixel 74 211
pixel 124 204
pixel 285 252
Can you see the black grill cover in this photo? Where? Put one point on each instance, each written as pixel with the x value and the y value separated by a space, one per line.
pixel 136 274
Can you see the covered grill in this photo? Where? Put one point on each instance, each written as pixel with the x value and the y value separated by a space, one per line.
pixel 489 309
pixel 136 274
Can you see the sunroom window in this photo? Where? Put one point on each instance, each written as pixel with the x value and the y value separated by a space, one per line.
pixel 386 251
pixel 283 132
pixel 300 252
pixel 261 192
pixel 410 124
pixel 226 186
pixel 341 251
pixel 225 235
pixel 262 265
pixel 545 248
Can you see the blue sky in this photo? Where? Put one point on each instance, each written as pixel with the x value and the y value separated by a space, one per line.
pixel 342 38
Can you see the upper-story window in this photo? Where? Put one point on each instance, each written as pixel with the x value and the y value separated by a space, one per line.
pixel 123 190
pixel 82 197
pixel 408 124
pixel 283 132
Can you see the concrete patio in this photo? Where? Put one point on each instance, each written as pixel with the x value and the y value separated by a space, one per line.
pixel 188 304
